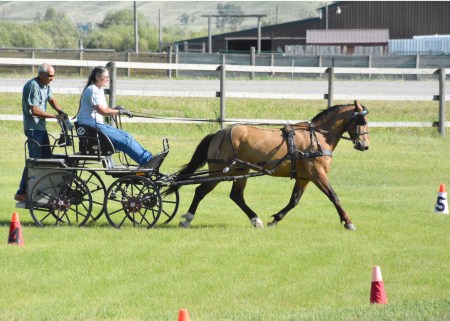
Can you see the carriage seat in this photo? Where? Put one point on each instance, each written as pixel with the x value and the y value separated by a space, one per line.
pixel 93 142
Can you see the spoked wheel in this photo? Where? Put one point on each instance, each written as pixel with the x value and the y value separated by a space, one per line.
pixel 170 205
pixel 131 201
pixel 60 198
pixel 97 189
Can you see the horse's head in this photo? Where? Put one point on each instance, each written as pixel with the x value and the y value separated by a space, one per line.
pixel 358 128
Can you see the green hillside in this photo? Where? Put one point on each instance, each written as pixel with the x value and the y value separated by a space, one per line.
pixel 83 12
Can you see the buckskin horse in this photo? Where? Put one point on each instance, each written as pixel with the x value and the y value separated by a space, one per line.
pixel 302 151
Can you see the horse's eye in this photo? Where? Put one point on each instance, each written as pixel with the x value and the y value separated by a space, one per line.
pixel 360 121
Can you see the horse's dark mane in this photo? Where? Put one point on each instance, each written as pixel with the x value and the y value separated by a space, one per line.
pixel 326 112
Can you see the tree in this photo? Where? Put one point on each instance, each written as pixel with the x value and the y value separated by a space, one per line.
pixel 59 28
pixel 119 17
pixel 116 31
pixel 184 19
pixel 54 30
pixel 229 9
pixel 50 14
pixel 14 35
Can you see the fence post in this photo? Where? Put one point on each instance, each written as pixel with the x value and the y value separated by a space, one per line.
pixel 442 119
pixel 329 96
pixel 222 92
pixel 176 61
pixel 320 65
pixel 112 88
pixel 80 56
pixel 418 77
pixel 129 60
pixel 112 83
pixel 252 61
pixel 272 62
pixel 169 61
pixel 32 66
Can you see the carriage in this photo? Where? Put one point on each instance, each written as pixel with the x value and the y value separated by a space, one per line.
pixel 70 188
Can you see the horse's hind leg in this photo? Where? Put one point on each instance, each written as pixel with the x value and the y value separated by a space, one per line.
pixel 237 195
pixel 297 192
pixel 200 192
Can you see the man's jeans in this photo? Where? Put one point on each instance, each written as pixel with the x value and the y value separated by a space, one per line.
pixel 38 147
pixel 126 143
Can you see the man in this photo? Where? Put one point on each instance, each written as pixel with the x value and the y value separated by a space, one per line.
pixel 35 95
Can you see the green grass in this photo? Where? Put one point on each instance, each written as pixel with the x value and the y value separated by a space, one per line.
pixel 308 268
pixel 423 111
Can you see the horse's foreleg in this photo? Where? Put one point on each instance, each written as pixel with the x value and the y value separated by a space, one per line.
pixel 324 185
pixel 297 192
pixel 200 192
pixel 237 195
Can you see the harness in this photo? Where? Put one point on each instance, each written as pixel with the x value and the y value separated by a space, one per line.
pixel 293 153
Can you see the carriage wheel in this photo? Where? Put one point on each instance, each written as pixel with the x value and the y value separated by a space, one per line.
pixel 170 205
pixel 97 189
pixel 133 200
pixel 60 198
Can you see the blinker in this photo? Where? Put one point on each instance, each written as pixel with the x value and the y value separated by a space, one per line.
pixel 360 121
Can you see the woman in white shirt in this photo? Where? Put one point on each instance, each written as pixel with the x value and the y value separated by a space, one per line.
pixel 93 107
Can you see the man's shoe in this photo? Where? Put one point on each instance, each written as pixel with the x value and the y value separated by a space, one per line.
pixel 21 197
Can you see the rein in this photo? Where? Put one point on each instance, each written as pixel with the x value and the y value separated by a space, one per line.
pixel 202 120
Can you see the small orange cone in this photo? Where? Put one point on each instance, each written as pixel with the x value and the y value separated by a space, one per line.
pixel 377 293
pixel 441 203
pixel 15 231
pixel 183 315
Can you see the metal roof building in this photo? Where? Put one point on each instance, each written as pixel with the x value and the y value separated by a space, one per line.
pixel 401 19
pixel 347 36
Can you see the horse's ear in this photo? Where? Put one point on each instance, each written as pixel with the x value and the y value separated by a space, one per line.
pixel 358 106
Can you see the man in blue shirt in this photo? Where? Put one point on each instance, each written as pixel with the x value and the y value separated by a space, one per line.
pixel 35 95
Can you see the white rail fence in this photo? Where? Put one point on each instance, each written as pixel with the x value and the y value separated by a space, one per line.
pixel 223 68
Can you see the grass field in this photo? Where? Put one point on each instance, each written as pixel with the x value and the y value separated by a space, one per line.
pixel 307 268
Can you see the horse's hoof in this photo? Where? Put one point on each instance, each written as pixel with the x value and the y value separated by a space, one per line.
pixel 256 222
pixel 272 224
pixel 350 226
pixel 184 224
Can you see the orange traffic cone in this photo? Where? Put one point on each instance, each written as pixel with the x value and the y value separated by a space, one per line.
pixel 377 293
pixel 183 315
pixel 441 203
pixel 15 231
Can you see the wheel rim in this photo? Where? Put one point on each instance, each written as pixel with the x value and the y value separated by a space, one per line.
pixel 169 205
pixel 133 201
pixel 60 198
pixel 98 191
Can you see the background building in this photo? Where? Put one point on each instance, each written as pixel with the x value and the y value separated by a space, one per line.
pixel 401 19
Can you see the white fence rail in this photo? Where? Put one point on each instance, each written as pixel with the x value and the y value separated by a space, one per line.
pixel 224 68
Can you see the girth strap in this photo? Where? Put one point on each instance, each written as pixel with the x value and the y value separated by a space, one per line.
pixel 295 154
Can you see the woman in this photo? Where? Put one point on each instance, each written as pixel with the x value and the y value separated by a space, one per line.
pixel 93 107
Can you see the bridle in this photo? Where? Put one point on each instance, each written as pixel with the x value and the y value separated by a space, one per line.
pixel 358 119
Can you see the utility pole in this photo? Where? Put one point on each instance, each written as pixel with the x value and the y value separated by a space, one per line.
pixel 160 30
pixel 136 36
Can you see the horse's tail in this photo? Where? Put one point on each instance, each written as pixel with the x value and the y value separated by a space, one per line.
pixel 197 161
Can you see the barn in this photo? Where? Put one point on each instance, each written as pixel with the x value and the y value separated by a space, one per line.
pixel 369 20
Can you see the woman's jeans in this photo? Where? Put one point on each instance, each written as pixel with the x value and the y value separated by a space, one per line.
pixel 126 143
pixel 38 147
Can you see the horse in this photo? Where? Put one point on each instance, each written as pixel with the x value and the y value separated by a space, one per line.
pixel 302 151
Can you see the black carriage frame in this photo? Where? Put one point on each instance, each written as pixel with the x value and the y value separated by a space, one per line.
pixel 67 189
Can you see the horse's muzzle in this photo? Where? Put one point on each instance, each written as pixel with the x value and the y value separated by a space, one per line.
pixel 362 146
